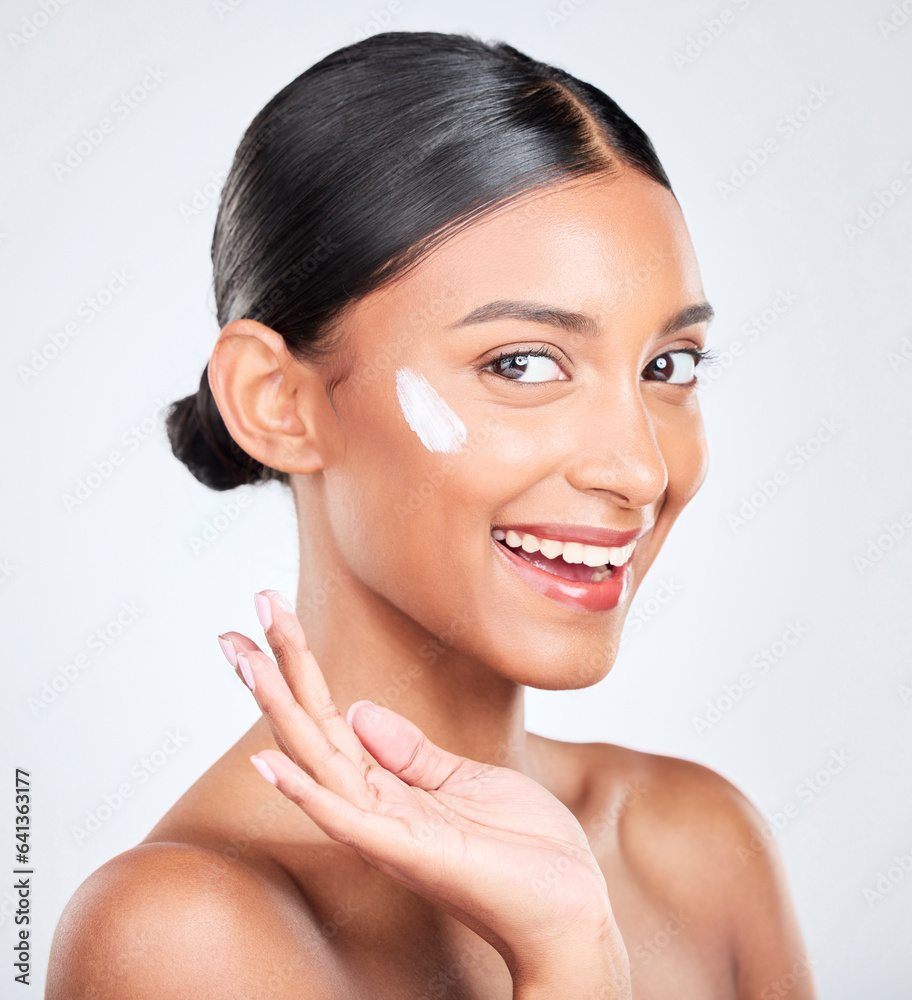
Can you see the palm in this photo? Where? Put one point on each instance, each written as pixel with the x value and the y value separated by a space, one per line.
pixel 497 805
pixel 485 832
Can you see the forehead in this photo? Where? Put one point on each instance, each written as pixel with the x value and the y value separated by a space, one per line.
pixel 602 244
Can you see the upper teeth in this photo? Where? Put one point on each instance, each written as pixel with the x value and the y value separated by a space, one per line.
pixel 572 552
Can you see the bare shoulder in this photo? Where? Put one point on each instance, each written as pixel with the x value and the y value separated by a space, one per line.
pixel 699 843
pixel 182 921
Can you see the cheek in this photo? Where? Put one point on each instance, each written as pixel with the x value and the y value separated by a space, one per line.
pixel 411 524
pixel 683 446
pixel 401 489
pixel 438 428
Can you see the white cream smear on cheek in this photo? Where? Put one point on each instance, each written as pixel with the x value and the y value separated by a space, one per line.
pixel 437 426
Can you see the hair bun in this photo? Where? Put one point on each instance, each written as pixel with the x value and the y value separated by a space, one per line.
pixel 200 439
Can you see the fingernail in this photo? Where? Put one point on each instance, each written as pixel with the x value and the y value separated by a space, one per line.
pixel 246 672
pixel 354 706
pixel 283 600
pixel 264 769
pixel 228 649
pixel 263 610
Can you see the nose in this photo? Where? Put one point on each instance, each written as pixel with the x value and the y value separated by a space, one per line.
pixel 618 453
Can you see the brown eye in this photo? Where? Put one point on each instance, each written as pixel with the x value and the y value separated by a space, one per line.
pixel 676 367
pixel 513 367
pixel 529 366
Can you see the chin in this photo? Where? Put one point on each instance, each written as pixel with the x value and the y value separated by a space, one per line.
pixel 553 659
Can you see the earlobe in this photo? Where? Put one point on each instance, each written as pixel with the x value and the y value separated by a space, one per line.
pixel 268 399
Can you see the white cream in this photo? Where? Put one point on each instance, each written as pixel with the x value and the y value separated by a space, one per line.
pixel 437 426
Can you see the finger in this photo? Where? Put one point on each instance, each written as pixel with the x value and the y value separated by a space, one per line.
pixel 379 837
pixel 298 734
pixel 302 673
pixel 401 747
pixel 233 643
pixel 394 841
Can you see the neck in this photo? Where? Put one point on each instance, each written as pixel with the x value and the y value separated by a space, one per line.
pixel 368 648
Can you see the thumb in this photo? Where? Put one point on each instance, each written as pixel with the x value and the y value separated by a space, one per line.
pixel 401 747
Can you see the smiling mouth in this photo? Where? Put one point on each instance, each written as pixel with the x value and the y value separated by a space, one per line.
pixel 572 561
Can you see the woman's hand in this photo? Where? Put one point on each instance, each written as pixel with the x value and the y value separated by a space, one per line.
pixel 486 844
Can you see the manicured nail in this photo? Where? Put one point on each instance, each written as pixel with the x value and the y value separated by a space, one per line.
pixel 263 610
pixel 264 769
pixel 246 672
pixel 280 599
pixel 283 600
pixel 228 649
pixel 354 706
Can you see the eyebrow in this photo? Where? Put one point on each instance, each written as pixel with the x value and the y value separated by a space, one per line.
pixel 574 322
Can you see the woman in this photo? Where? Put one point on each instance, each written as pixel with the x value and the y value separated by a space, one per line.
pixel 460 318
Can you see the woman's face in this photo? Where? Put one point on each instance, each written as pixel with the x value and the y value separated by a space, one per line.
pixel 439 456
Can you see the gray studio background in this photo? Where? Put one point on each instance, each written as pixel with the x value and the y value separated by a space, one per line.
pixel 785 129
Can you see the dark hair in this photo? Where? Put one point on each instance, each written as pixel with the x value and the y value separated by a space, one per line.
pixel 368 160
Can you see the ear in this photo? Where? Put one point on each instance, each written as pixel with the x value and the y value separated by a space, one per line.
pixel 271 402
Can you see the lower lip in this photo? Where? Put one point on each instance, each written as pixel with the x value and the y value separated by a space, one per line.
pixel 574 594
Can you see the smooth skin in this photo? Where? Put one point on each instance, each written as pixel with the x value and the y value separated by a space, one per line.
pixel 438 849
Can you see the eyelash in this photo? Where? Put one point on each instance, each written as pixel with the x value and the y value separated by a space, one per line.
pixel 539 352
pixel 705 357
